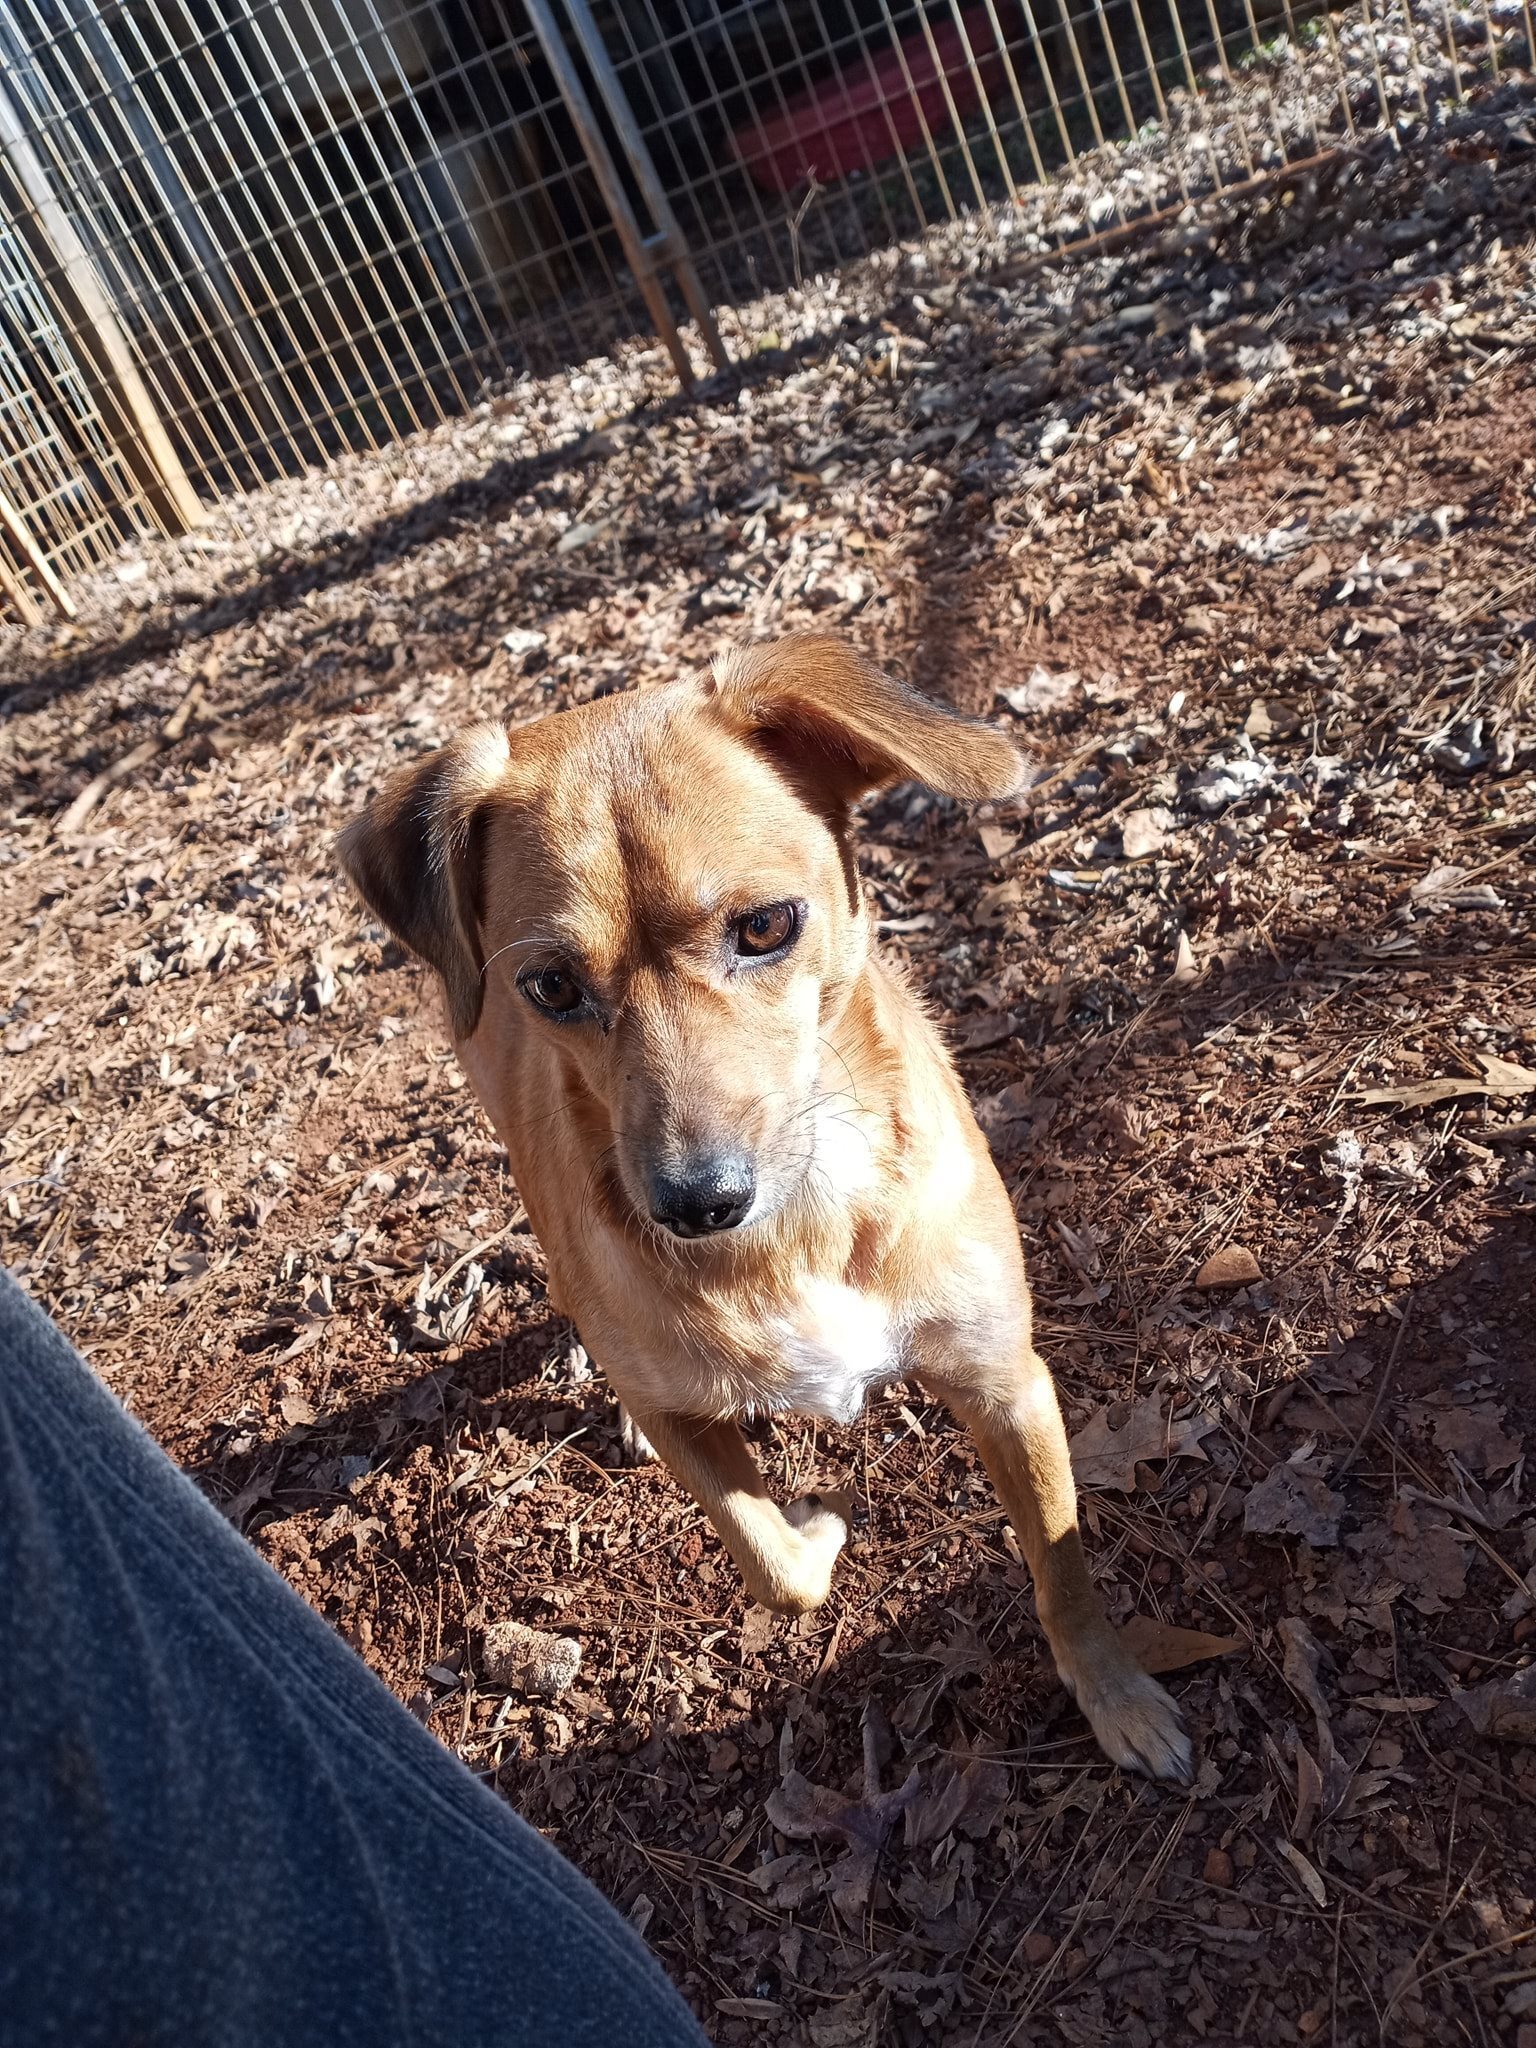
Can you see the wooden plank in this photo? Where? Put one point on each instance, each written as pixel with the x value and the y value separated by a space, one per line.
pixel 39 563
pixel 99 338
pixel 20 599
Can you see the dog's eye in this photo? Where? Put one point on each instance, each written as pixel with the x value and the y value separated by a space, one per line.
pixel 552 989
pixel 768 930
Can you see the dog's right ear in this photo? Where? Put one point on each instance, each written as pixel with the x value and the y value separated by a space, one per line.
pixel 414 858
pixel 816 705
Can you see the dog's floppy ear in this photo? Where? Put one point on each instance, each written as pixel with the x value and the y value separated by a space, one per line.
pixel 414 858
pixel 824 711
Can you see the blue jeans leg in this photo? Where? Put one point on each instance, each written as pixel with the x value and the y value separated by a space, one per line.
pixel 216 1826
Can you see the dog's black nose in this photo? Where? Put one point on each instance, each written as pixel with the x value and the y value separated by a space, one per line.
pixel 705 1196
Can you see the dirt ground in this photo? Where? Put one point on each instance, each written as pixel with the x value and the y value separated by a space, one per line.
pixel 1235 527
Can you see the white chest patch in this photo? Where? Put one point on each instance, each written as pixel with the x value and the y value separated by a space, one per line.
pixel 834 1345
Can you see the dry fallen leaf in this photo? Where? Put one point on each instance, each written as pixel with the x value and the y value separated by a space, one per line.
pixel 1295 1500
pixel 1424 1556
pixel 1306 1870
pixel 756 1630
pixel 1043 691
pixel 970 1799
pixel 749 2008
pixel 1106 1456
pixel 807 1812
pixel 1145 832
pixel 1158 1646
pixel 1476 1436
pixel 1322 1785
pixel 1505 1708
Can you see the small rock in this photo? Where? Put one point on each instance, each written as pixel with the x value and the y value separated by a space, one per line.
pixel 1233 1266
pixel 523 640
pixel 1218 1869
pixel 1186 970
pixel 1224 782
pixel 582 535
pixel 1201 622
pixel 723 1759
pixel 1038 1949
pixel 1144 832
pixel 1043 690
pixel 523 1659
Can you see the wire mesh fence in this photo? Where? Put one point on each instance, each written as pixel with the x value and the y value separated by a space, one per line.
pixel 66 497
pixel 320 224
pixel 239 237
pixel 798 134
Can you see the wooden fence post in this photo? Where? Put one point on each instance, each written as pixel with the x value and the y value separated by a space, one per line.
pixel 96 334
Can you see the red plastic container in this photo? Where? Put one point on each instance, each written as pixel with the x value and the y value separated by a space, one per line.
pixel 869 113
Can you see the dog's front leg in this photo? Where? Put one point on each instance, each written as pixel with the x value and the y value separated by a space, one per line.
pixel 1017 1424
pixel 786 1557
pixel 633 1441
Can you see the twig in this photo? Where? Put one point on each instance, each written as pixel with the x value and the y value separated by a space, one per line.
pixel 486 1244
pixel 1110 239
pixel 1410 1977
pixel 1382 1389
pixel 146 750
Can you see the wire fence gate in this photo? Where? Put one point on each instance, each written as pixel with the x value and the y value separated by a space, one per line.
pixel 240 237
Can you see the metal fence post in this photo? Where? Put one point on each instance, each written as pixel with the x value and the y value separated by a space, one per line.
pixel 645 254
pixel 668 241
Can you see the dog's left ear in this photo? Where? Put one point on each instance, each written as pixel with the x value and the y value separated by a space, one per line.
pixel 414 858
pixel 825 713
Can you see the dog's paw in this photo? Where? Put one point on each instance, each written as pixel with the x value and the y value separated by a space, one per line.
pixel 802 1574
pixel 635 1446
pixel 1136 1723
pixel 823 1523
pixel 823 1519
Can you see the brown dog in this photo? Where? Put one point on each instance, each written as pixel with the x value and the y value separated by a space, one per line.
pixel 755 1175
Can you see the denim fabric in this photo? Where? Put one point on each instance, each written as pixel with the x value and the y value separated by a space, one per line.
pixel 216 1826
